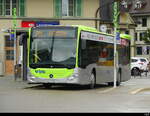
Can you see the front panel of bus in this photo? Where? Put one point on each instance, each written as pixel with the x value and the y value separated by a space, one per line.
pixel 52 54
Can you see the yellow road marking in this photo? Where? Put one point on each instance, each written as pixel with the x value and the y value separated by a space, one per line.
pixel 139 90
pixel 136 91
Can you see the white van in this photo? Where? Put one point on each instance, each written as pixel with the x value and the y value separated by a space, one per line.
pixel 139 65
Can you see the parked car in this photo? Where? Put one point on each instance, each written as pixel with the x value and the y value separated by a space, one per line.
pixel 139 65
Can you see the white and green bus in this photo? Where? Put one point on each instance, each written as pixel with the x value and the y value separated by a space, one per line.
pixel 75 55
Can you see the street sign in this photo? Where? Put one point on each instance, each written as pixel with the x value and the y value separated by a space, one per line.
pixel 42 23
pixel 117 36
pixel 27 24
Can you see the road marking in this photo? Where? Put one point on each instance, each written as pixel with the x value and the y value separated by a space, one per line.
pixel 139 90
pixel 107 90
pixel 136 91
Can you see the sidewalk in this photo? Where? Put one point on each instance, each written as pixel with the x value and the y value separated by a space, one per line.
pixel 8 82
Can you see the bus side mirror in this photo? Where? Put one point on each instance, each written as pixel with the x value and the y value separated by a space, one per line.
pixel 23 36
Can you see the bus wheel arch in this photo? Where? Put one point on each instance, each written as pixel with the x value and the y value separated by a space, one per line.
pixel 118 81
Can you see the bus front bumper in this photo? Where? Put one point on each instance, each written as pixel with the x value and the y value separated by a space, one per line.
pixel 38 80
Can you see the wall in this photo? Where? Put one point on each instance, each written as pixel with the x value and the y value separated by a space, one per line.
pixel 39 8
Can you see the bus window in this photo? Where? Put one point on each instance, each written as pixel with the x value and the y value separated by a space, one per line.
pixel 103 54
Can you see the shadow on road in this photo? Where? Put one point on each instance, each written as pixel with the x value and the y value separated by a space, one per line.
pixel 67 87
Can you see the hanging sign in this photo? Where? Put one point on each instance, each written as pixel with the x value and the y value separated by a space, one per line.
pixel 28 24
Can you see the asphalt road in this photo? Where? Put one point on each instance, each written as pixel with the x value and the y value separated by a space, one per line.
pixel 131 96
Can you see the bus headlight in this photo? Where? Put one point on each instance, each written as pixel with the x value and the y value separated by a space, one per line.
pixel 76 72
pixel 29 74
pixel 75 75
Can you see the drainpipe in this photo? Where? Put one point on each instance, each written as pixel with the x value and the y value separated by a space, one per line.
pixel 96 13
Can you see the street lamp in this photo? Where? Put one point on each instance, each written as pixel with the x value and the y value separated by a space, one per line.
pixel 14 37
pixel 115 22
pixel 116 33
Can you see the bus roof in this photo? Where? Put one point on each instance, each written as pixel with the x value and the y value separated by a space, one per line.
pixel 86 28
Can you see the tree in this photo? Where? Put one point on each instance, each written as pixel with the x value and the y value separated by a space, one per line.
pixel 146 37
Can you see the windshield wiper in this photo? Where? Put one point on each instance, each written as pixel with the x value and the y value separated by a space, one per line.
pixel 34 66
pixel 37 57
pixel 68 66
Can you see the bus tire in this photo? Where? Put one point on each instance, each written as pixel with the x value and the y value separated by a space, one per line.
pixel 92 81
pixel 118 80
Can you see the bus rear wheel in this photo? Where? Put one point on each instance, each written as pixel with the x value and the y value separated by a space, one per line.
pixel 92 81
pixel 118 82
pixel 118 79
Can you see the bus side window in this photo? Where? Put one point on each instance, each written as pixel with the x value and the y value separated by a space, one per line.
pixel 83 43
pixel 83 56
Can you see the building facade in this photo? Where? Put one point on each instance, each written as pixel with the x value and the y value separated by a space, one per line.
pixel 140 11
pixel 30 13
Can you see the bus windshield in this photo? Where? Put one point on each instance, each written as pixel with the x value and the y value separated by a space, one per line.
pixel 52 47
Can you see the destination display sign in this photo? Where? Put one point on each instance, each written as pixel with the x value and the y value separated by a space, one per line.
pixel 102 38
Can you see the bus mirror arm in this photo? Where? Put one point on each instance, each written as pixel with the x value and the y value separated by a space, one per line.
pixel 24 36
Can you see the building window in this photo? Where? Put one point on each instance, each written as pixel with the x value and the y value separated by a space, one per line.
pixel 135 36
pixel 127 32
pixel 124 4
pixel 142 34
pixel 7 6
pixel 9 46
pixel 144 22
pixel 67 8
pixel 9 42
pixel 148 50
pixel 9 54
pixel 138 4
pixel 139 50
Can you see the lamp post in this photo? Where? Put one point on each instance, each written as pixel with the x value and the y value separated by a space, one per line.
pixel 14 36
pixel 115 22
